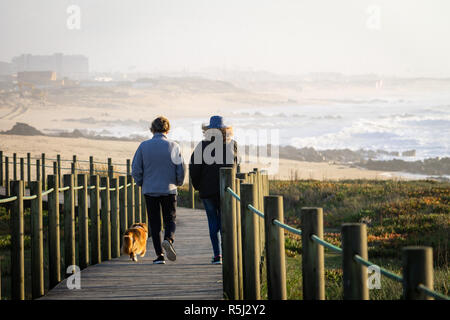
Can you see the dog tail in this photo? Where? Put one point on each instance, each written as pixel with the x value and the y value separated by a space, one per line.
pixel 127 245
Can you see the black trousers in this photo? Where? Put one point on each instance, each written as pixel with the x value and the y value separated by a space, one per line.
pixel 168 205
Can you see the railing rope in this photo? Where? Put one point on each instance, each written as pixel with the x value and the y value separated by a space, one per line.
pixel 10 199
pixel 383 271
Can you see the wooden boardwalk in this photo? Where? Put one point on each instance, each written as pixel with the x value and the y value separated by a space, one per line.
pixel 191 276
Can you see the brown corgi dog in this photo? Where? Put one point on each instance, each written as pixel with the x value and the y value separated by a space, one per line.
pixel 135 241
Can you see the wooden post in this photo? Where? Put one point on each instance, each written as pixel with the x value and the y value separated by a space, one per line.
pixel 94 215
pixel 313 267
pixel 354 241
pixel 262 236
pixel 38 171
pixel 75 172
pixel 54 261
pixel 69 222
pixel 55 168
pixel 43 171
pixel 37 241
pixel 106 219
pixel 239 240
pixel 137 202
pixel 130 201
pixel 115 222
pixel 91 166
pixel 144 209
pixel 110 169
pixel 276 265
pixel 17 243
pixel 242 176
pixel 22 170
pixel 1 176
pixel 128 167
pixel 29 169
pixel 123 195
pixel 191 194
pixel 229 237
pixel 250 243
pixel 58 162
pixel 417 269
pixel 14 166
pixel 83 221
pixel 7 184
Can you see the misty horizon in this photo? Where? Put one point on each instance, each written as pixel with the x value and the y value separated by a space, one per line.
pixel 403 39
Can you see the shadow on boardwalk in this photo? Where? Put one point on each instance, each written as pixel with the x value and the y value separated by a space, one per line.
pixel 191 276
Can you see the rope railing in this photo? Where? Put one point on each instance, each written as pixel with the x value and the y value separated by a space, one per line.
pixel 67 160
pixel 383 271
pixel 326 244
pixel 30 197
pixel 259 213
pixel 10 199
pixel 48 191
pixel 336 249
pixel 431 293
pixel 61 189
pixel 286 227
pixel 234 194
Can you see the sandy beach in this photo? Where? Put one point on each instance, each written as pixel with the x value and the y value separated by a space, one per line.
pixel 120 151
pixel 129 108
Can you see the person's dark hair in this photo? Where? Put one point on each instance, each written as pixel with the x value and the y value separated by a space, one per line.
pixel 160 124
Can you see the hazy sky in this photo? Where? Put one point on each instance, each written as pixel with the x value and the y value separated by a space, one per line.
pixel 394 37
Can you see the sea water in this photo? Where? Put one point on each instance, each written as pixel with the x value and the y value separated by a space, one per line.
pixel 391 124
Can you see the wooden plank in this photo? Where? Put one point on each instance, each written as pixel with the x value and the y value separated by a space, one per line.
pixel 191 276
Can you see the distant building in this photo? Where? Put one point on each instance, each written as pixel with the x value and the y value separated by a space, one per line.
pixel 6 68
pixel 70 66
pixel 36 77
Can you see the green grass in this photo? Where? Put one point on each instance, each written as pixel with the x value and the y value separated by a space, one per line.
pixel 397 213
pixel 389 289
